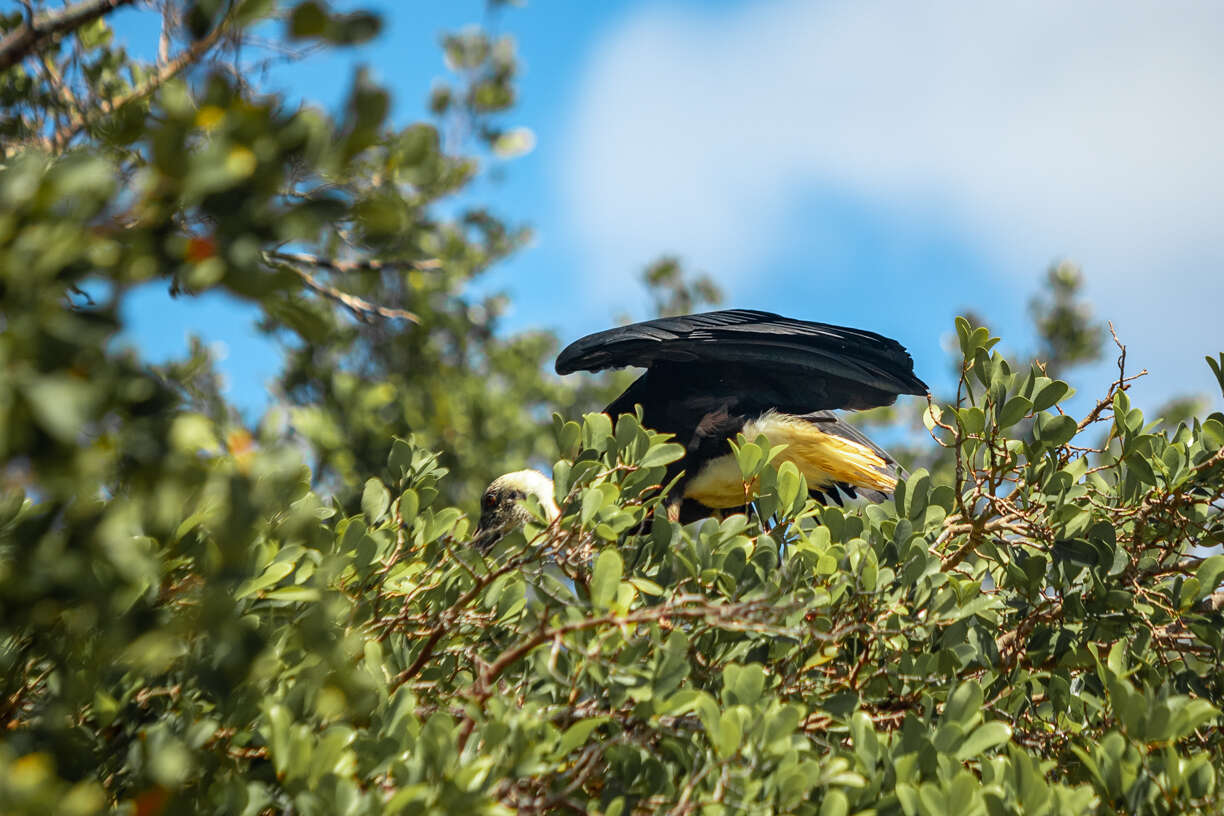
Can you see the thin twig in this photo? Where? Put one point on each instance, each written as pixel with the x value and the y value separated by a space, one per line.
pixel 189 55
pixel 30 36
pixel 362 309
pixel 365 265
pixel 1121 384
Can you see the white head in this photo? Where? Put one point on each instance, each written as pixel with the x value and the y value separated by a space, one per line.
pixel 501 506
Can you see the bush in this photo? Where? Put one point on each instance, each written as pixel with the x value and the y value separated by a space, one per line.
pixel 1041 636
pixel 201 616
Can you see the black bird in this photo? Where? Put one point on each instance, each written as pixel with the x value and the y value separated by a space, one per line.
pixel 711 376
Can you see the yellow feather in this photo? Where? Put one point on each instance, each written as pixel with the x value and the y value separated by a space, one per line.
pixel 822 458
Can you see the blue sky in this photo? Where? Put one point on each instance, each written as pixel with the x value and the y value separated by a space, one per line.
pixel 876 164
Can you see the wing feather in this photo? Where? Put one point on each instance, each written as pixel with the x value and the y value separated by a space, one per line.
pixel 817 364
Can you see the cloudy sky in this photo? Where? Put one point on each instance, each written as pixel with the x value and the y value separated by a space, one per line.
pixel 877 164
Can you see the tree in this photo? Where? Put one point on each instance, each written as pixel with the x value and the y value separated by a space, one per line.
pixel 192 618
pixel 1067 334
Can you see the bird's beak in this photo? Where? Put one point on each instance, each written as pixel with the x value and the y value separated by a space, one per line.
pixel 487 532
pixel 482 539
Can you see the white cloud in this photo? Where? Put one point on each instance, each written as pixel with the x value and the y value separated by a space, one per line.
pixel 1092 130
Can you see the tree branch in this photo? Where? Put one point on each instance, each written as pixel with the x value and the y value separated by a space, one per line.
pixel 362 309
pixel 27 38
pixel 367 265
pixel 166 72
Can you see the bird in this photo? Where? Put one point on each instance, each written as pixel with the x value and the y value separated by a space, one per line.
pixel 502 508
pixel 714 375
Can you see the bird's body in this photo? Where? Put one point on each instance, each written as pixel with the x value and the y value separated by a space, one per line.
pixel 712 376
pixel 825 459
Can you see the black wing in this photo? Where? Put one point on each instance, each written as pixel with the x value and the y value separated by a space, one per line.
pixel 803 366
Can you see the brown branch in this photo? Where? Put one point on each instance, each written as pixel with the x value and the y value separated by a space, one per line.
pixel 1010 645
pixel 1121 384
pixel 1213 602
pixel 723 616
pixel 163 40
pixel 975 529
pixel 30 36
pixel 189 55
pixel 362 309
pixel 367 265
pixel 448 619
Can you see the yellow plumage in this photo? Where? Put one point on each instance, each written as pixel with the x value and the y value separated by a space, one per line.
pixel 822 458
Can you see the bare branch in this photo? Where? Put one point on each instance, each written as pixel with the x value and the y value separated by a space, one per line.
pixel 163 40
pixel 1121 384
pixel 29 37
pixel 367 265
pixel 193 53
pixel 361 308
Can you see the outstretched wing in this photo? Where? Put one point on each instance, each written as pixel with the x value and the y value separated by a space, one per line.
pixel 797 362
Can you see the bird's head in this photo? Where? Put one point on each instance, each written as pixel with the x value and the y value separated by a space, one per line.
pixel 502 506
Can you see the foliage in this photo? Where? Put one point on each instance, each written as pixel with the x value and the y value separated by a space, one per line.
pixel 331 226
pixel 1066 332
pixel 674 293
pixel 198 616
pixel 1039 636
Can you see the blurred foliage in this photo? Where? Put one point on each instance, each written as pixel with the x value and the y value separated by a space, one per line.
pixel 675 293
pixel 198 616
pixel 1067 333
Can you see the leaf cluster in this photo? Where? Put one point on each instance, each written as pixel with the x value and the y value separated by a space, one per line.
pixel 196 615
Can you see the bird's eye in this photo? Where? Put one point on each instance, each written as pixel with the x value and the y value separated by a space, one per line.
pixel 490 500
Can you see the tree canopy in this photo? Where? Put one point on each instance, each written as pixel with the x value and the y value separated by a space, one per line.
pixel 198 615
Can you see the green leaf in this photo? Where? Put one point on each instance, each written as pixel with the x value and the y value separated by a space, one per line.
pixel 375 500
pixel 931 415
pixel 964 704
pixel 835 803
pixel 409 506
pixel 974 606
pixel 963 332
pixel 605 579
pixel 568 438
pixel 1209 573
pixel 749 457
pixel 578 733
pixel 1190 715
pixel 742 685
pixel 789 487
pixel 354 28
pixel 647 586
pixel 62 405
pixel 972 419
pixel 1217 368
pixel 596 431
pixel 1142 469
pixel 94 34
pixel 1049 395
pixel 513 143
pixel 308 19
pixel 272 575
pixel 1016 409
pixel 293 594
pixel 663 454
pixel 866 742
pixel 729 734
pixel 592 501
pixel 1213 430
pixel 984 737
pixel 1055 429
